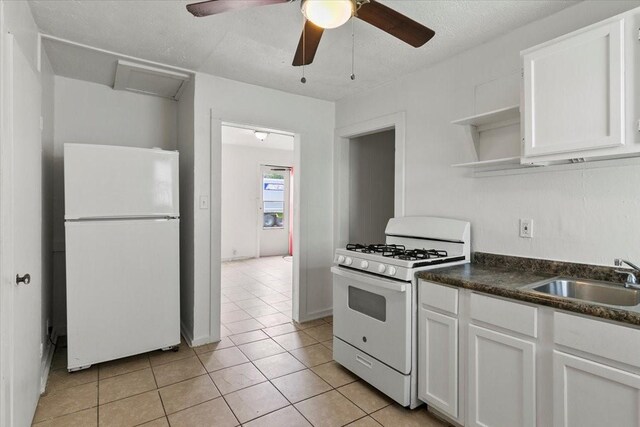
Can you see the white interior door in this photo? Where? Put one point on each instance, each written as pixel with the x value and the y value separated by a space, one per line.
pixel 274 211
pixel 21 222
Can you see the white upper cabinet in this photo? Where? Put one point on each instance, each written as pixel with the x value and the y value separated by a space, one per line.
pixel 574 93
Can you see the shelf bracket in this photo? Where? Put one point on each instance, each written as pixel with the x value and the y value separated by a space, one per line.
pixel 474 135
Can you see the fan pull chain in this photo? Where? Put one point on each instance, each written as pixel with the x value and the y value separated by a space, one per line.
pixel 303 80
pixel 353 49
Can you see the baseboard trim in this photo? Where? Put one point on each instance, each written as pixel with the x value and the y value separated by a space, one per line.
pixel 47 359
pixel 195 342
pixel 238 258
pixel 202 341
pixel 316 315
pixel 186 335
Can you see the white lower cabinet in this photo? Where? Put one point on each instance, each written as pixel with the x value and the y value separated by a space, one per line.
pixel 501 383
pixel 438 361
pixel 590 394
pixel 492 362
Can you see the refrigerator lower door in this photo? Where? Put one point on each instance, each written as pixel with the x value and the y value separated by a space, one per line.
pixel 123 288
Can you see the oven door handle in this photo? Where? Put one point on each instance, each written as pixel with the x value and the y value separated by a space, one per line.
pixel 376 281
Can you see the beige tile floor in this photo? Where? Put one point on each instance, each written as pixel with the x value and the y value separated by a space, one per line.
pixel 266 371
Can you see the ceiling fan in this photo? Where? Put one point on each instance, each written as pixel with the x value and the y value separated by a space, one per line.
pixel 327 14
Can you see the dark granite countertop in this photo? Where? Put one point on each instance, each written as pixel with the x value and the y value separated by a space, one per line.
pixel 505 276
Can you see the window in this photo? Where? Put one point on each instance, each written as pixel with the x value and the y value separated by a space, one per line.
pixel 368 303
pixel 273 191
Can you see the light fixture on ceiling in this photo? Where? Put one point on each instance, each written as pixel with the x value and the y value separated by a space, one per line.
pixel 328 14
pixel 260 134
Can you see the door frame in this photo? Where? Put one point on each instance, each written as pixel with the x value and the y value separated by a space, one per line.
pixel 288 204
pixel 343 135
pixel 299 293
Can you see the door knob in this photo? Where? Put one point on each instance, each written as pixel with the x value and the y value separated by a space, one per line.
pixel 26 279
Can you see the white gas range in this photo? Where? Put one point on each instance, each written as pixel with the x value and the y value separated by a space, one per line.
pixel 375 299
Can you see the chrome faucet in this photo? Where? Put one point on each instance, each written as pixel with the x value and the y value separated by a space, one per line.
pixel 631 281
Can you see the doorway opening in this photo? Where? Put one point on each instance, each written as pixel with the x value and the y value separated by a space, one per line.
pixel 256 229
pixel 391 128
pixel 275 233
pixel 371 186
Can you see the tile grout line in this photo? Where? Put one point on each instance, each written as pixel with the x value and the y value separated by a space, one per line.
pixel 155 380
pixel 267 336
pixel 98 398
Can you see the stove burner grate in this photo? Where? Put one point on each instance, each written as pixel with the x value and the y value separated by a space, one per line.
pixel 420 254
pixel 382 249
pixel 397 251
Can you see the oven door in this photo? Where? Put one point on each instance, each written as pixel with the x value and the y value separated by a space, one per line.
pixel 373 314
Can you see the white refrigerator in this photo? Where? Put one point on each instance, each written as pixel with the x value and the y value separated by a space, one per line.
pixel 122 252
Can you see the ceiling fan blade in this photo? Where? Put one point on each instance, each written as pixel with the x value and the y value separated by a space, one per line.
pixel 395 23
pixel 308 44
pixel 212 7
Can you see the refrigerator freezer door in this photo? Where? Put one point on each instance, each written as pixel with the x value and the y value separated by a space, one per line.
pixel 123 288
pixel 102 181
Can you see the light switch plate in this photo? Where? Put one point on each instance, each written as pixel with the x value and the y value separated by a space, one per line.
pixel 204 202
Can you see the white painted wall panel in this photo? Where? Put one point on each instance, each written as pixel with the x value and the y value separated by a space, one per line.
pixel 90 113
pixel 241 182
pixel 185 147
pixel 581 214
pixel 312 121
pixel 48 100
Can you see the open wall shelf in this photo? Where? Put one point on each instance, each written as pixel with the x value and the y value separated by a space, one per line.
pixel 493 119
pixel 483 129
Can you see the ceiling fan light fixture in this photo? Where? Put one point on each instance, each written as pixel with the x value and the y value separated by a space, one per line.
pixel 328 14
pixel 260 135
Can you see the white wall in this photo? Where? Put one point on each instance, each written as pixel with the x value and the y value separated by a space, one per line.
pixel 48 114
pixel 371 186
pixel 580 214
pixel 187 176
pixel 241 197
pixel 91 113
pixel 220 100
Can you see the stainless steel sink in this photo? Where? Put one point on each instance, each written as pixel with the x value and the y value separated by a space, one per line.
pixel 588 290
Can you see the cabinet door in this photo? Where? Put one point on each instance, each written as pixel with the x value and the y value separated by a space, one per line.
pixel 438 361
pixel 574 93
pixel 587 393
pixel 501 380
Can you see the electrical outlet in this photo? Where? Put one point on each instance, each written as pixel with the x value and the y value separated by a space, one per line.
pixel 526 228
pixel 41 350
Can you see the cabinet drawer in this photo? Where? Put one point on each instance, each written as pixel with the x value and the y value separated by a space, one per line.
pixel 505 314
pixel 387 380
pixel 615 342
pixel 437 296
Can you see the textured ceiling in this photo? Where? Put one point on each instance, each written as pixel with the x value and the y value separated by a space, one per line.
pixel 257 45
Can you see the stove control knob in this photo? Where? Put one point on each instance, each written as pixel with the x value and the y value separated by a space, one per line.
pixel 340 259
pixel 364 264
pixel 348 261
pixel 391 271
pixel 382 268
